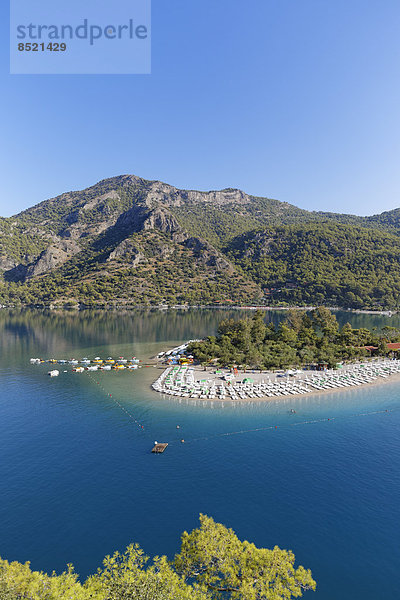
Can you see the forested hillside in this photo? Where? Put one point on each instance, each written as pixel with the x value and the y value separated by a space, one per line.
pixel 130 241
pixel 323 263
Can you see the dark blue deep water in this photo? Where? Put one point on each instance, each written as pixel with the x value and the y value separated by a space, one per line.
pixel 78 481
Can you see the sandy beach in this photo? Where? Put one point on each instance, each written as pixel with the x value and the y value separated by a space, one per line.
pixel 214 384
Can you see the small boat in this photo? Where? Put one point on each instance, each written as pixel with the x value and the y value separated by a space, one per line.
pixel 92 368
pixel 78 369
pixel 54 373
pixel 105 367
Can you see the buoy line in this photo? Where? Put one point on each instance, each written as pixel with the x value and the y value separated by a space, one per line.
pixel 244 431
pixel 129 415
pixel 285 426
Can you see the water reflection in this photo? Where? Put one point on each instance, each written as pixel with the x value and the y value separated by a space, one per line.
pixel 61 331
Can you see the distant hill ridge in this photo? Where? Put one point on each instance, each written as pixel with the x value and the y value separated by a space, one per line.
pixel 127 240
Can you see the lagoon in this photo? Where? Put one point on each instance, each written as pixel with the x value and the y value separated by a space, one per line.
pixel 78 481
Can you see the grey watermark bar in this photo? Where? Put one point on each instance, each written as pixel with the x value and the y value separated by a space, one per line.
pixel 48 37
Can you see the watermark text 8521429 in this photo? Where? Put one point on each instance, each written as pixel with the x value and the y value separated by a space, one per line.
pixel 43 47
pixel 71 37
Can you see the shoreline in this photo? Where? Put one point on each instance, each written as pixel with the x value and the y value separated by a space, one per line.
pixel 298 386
pixel 161 307
pixel 376 383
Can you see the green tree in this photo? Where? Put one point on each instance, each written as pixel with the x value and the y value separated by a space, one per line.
pixel 392 334
pixel 382 347
pixel 324 320
pixel 18 582
pixel 287 334
pixel 213 556
pixel 258 328
pixel 213 563
pixel 125 577
pixel 294 319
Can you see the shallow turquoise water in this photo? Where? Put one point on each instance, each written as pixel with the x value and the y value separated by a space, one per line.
pixel 77 480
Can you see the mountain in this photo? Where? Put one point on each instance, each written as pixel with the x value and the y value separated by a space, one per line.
pixel 323 263
pixel 127 240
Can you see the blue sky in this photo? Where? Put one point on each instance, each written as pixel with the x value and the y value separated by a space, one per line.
pixel 292 99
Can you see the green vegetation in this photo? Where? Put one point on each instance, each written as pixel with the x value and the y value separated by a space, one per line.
pixel 212 564
pixel 164 272
pixel 220 224
pixel 17 243
pixel 102 201
pixel 302 338
pixel 323 263
pixel 128 240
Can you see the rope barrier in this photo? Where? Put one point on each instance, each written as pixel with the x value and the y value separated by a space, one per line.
pixel 245 431
pixel 129 415
pixel 285 426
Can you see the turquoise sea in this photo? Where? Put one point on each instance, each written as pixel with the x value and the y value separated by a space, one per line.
pixel 78 481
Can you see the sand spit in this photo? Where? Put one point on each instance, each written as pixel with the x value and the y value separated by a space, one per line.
pixel 220 384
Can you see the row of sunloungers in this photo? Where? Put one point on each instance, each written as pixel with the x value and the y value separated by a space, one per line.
pixel 180 381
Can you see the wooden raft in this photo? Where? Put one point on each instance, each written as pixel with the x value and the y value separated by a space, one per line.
pixel 159 448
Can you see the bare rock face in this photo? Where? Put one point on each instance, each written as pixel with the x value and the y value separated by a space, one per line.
pixel 132 220
pixel 163 221
pixel 53 257
pixel 140 218
pixel 129 252
pixel 7 263
pixel 79 231
pixel 208 255
pixel 219 198
pixel 166 195
pixel 264 246
pixel 103 217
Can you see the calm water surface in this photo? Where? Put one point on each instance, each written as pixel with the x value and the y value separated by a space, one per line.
pixel 77 480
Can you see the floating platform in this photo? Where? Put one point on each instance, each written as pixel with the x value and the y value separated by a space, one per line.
pixel 159 448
